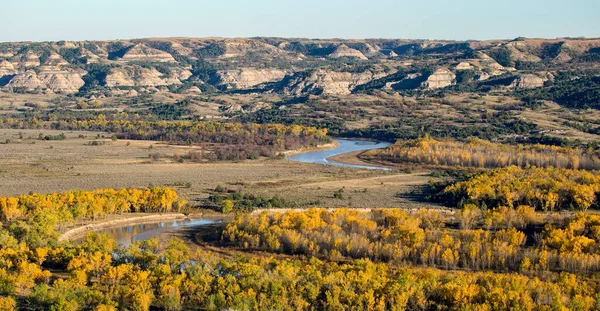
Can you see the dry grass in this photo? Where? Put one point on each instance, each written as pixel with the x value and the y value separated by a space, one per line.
pixel 31 165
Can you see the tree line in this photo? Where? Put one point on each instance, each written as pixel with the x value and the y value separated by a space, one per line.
pixel 256 139
pixel 427 238
pixel 547 189
pixel 483 154
pixel 101 277
pixel 98 275
pixel 36 219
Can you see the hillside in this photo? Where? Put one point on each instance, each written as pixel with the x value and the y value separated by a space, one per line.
pixel 288 66
pixel 538 90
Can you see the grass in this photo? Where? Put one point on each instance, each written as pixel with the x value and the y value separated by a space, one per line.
pixel 30 165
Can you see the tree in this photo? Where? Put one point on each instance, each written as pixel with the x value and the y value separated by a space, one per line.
pixel 8 304
pixel 227 206
pixel 468 216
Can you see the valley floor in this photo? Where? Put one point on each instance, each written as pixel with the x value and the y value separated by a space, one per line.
pixel 28 164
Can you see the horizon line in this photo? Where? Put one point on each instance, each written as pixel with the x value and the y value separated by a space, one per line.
pixel 306 38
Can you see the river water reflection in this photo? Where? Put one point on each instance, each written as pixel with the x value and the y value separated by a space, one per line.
pixel 345 146
pixel 125 235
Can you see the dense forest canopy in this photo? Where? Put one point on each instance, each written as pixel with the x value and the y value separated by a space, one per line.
pixel 484 154
pixel 99 275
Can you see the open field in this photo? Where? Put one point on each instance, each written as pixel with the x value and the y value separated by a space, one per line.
pixel 28 164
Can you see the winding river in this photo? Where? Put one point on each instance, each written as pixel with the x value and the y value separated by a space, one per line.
pixel 125 235
pixel 344 146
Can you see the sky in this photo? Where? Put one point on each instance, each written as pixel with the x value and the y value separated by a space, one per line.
pixel 45 20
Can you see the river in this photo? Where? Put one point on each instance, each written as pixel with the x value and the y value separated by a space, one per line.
pixel 127 234
pixel 345 146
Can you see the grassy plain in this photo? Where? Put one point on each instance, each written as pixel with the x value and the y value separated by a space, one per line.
pixel 28 164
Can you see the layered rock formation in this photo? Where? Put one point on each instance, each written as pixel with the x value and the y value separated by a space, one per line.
pixel 27 80
pixel 344 51
pixel 241 47
pixel 464 66
pixel 118 78
pixel 140 52
pixel 29 59
pixel 54 81
pixel 292 66
pixel 193 90
pixel 326 82
pixel 389 53
pixel 247 77
pixel 55 60
pixel 441 78
pixel 134 76
pixel 562 57
pixel 527 81
pixel 519 52
pixel 7 68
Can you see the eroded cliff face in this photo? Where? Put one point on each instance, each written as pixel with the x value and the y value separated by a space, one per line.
pixel 140 52
pixel 55 60
pixel 55 81
pixel 7 68
pixel 290 66
pixel 344 51
pixel 527 81
pixel 136 76
pixel 441 78
pixel 326 82
pixel 245 78
pixel 28 59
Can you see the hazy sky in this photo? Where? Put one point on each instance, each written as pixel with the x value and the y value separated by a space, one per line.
pixel 41 20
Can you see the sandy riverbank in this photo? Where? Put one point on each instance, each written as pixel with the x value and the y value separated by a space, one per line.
pixel 331 145
pixel 136 219
pixel 354 159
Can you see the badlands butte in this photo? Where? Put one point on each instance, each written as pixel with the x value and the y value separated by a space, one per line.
pixel 377 88
pixel 284 66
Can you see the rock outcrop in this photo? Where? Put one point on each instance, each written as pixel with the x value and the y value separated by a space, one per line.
pixel 125 93
pixel 90 57
pixel 240 47
pixel 326 82
pixel 293 66
pixel 137 76
pixel 193 90
pixel 562 57
pixel 55 60
pixel 389 53
pixel 482 76
pixel 527 81
pixel 247 77
pixel 118 78
pixel 464 66
pixel 371 49
pixel 61 81
pixel 29 59
pixel 54 81
pixel 439 79
pixel 519 51
pixel 27 80
pixel 140 52
pixel 344 51
pixel 7 68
